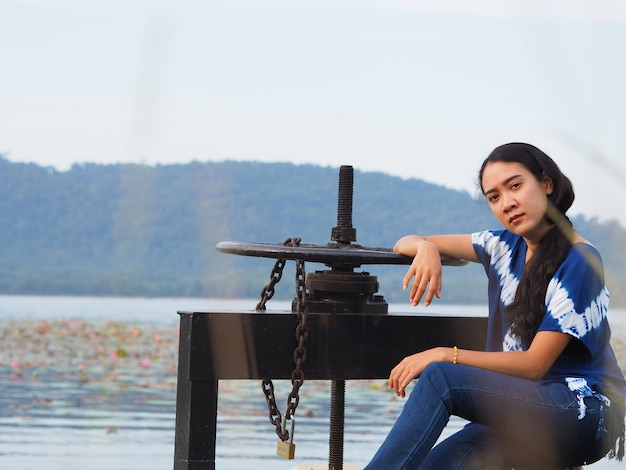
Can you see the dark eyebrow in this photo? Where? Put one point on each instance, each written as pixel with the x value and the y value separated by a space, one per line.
pixel 505 182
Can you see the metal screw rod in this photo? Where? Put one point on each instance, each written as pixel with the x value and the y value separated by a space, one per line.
pixel 344 232
pixel 337 414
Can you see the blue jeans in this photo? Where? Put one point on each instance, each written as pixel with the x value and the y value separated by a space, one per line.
pixel 514 423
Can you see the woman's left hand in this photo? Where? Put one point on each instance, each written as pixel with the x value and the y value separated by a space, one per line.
pixel 411 367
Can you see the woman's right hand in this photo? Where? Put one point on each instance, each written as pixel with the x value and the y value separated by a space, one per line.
pixel 411 367
pixel 425 270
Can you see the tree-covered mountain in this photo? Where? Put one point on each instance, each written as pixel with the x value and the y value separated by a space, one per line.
pixel 140 230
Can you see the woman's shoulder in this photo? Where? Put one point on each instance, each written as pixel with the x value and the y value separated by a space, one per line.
pixel 495 236
pixel 496 244
pixel 583 247
pixel 578 238
pixel 583 257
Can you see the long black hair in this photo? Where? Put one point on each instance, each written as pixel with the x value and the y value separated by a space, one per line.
pixel 528 308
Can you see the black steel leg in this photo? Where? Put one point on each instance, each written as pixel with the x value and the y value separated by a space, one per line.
pixel 196 411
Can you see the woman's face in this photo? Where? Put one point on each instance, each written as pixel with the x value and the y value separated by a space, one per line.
pixel 517 199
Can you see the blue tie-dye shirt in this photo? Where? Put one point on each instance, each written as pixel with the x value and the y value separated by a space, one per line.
pixel 576 301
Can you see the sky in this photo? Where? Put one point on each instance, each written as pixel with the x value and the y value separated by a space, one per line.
pixel 413 88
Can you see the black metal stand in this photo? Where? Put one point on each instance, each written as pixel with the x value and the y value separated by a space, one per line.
pixel 251 345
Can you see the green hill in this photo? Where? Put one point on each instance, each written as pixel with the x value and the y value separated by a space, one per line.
pixel 136 230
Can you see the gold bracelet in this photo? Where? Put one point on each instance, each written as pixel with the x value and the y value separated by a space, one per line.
pixel 456 355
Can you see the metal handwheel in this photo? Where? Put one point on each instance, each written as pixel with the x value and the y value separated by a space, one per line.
pixel 332 254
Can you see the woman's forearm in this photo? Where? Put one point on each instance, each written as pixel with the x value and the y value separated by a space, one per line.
pixel 457 246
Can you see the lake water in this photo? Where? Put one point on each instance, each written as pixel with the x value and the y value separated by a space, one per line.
pixel 90 383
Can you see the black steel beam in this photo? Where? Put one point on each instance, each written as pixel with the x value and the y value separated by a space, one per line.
pixel 251 345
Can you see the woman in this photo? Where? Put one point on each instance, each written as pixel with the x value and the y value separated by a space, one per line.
pixel 547 392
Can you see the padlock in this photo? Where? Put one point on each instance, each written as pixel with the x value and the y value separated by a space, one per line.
pixel 284 449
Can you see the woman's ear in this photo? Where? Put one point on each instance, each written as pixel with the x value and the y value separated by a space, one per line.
pixel 549 184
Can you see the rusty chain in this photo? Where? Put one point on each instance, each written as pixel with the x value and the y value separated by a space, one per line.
pixel 299 354
pixel 268 291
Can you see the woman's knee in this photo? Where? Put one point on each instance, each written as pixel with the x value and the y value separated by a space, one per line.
pixel 440 374
pixel 438 369
pixel 436 378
